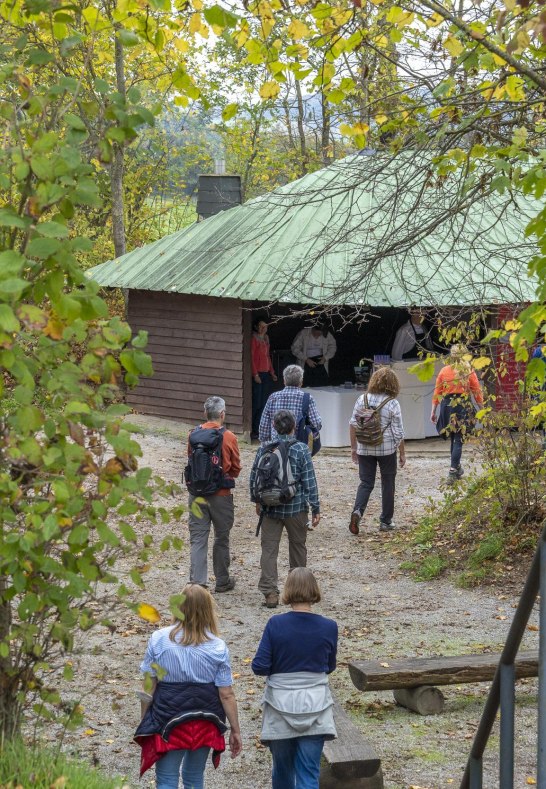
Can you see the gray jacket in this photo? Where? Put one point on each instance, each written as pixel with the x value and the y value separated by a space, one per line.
pixel 297 704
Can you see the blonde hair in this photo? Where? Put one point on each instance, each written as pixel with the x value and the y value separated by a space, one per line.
pixel 200 620
pixel 459 358
pixel 301 587
pixel 384 381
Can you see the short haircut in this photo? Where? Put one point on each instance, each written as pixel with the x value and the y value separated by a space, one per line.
pixel 257 320
pixel 301 587
pixel 384 381
pixel 293 375
pixel 198 621
pixel 214 406
pixel 284 422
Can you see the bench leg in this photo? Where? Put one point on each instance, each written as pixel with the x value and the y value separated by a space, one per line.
pixel 329 781
pixel 425 699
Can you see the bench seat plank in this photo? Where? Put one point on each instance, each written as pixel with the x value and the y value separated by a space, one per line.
pixel 412 672
pixel 350 756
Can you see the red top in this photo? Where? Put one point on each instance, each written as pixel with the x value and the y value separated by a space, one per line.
pixel 188 736
pixel 450 381
pixel 261 360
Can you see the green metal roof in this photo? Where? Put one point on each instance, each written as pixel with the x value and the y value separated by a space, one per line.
pixel 371 229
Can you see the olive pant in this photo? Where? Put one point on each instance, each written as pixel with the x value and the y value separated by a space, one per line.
pixel 271 533
pixel 217 511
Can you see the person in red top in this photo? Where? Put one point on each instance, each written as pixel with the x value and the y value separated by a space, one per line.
pixel 262 372
pixel 455 385
pixel 216 509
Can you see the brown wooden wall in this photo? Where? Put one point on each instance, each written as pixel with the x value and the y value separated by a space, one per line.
pixel 198 349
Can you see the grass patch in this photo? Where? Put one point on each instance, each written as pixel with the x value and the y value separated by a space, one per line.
pixel 24 766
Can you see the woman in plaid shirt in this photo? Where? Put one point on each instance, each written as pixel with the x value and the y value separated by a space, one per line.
pixel 383 385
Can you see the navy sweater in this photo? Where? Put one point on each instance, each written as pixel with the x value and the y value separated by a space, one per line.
pixel 297 641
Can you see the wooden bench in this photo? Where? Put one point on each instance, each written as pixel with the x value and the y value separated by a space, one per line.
pixel 414 680
pixel 350 761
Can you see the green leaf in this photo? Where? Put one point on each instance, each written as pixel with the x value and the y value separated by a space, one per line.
pixel 12 288
pixel 43 248
pixel 74 121
pixel 229 112
pixel 9 218
pixel 8 321
pixel 216 15
pixel 11 262
pixel 128 532
pixel 52 229
pixel 128 38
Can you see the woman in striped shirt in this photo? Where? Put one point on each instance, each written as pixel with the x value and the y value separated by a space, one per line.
pixel 192 694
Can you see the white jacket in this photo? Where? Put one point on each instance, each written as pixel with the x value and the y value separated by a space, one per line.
pixel 303 341
pixel 297 704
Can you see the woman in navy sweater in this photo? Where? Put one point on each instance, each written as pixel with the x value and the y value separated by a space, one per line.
pixel 296 654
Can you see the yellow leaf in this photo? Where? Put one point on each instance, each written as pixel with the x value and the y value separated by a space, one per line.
pixel 270 89
pixel 195 23
pixel 148 612
pixel 360 128
pixel 89 732
pixel 181 45
pixel 435 20
pixel 380 119
pixel 530 781
pixel 198 5
pixel 498 60
pixel 247 660
pixel 512 325
pixel 453 46
pixel 298 30
pixel 514 88
pixel 481 362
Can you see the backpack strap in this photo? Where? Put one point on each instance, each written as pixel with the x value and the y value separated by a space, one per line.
pixel 305 405
pixel 387 400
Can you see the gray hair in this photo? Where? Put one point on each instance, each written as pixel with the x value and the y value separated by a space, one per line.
pixel 293 375
pixel 214 407
pixel 284 422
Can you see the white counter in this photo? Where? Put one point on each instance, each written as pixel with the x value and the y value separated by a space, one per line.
pixel 335 405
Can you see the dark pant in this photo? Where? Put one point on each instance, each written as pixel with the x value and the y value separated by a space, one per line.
pixel 296 762
pixel 367 468
pixel 219 512
pixel 315 376
pixel 456 437
pixel 260 393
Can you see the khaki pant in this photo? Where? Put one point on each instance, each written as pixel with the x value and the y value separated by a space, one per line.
pixel 271 532
pixel 217 511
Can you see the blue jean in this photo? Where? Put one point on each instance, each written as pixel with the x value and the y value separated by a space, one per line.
pixel 260 393
pixel 296 762
pixel 167 769
pixel 456 448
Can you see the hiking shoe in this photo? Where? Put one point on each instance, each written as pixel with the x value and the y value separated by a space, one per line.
pixel 460 471
pixel 453 476
pixel 226 587
pixel 271 600
pixel 354 523
pixel 384 526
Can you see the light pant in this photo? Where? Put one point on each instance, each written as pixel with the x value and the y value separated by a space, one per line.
pixel 218 511
pixel 271 532
pixel 167 769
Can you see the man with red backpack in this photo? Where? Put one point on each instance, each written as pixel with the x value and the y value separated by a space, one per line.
pixel 213 465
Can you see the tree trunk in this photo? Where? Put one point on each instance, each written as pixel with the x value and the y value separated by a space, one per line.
pixel 301 128
pixel 326 152
pixel 10 708
pixel 116 169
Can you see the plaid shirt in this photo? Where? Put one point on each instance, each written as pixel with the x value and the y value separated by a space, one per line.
pixel 304 475
pixel 391 424
pixel 288 399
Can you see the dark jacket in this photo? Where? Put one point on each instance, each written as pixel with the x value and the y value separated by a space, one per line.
pixel 177 702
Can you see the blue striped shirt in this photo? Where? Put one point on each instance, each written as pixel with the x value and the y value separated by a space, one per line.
pixel 206 662
pixel 307 494
pixel 288 399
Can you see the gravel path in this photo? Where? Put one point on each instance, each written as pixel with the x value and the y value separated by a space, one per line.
pixel 381 612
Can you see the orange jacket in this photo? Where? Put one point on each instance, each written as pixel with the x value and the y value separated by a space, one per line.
pixel 450 381
pixel 231 459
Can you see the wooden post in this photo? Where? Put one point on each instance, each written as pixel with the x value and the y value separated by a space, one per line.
pixel 425 699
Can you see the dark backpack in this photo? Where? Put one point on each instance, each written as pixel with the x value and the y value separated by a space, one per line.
pixel 304 432
pixel 274 482
pixel 368 423
pixel 204 474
